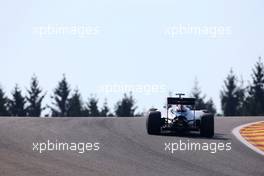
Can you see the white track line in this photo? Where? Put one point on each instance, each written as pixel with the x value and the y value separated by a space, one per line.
pixel 236 132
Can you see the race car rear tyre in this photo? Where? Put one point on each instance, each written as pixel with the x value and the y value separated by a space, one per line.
pixel 207 125
pixel 154 122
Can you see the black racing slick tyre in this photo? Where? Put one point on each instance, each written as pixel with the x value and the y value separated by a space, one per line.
pixel 154 122
pixel 207 126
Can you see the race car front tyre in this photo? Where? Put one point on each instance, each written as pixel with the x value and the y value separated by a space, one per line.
pixel 207 125
pixel 154 122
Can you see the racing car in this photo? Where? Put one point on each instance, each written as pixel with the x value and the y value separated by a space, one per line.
pixel 180 116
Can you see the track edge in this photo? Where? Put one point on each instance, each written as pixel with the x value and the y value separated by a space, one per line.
pixel 236 133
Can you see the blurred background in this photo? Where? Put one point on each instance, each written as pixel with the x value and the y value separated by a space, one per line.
pixel 120 58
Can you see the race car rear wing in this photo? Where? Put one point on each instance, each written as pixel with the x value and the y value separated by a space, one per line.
pixel 180 101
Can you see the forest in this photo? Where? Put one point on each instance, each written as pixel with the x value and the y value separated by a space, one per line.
pixel 237 99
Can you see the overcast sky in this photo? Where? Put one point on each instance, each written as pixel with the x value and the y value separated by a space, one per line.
pixel 137 43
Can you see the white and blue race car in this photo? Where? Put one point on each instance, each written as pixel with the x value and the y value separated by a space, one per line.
pixel 180 116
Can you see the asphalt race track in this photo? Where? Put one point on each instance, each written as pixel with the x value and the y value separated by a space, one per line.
pixel 125 149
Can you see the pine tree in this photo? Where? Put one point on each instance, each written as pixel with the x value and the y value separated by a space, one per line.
pixel 125 107
pixel 3 104
pixel 232 96
pixel 255 99
pixel 61 98
pixel 92 107
pixel 199 99
pixel 105 110
pixel 200 102
pixel 17 103
pixel 75 105
pixel 34 98
pixel 210 107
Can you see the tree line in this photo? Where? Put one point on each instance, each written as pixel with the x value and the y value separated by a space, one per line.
pixel 65 103
pixel 236 99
